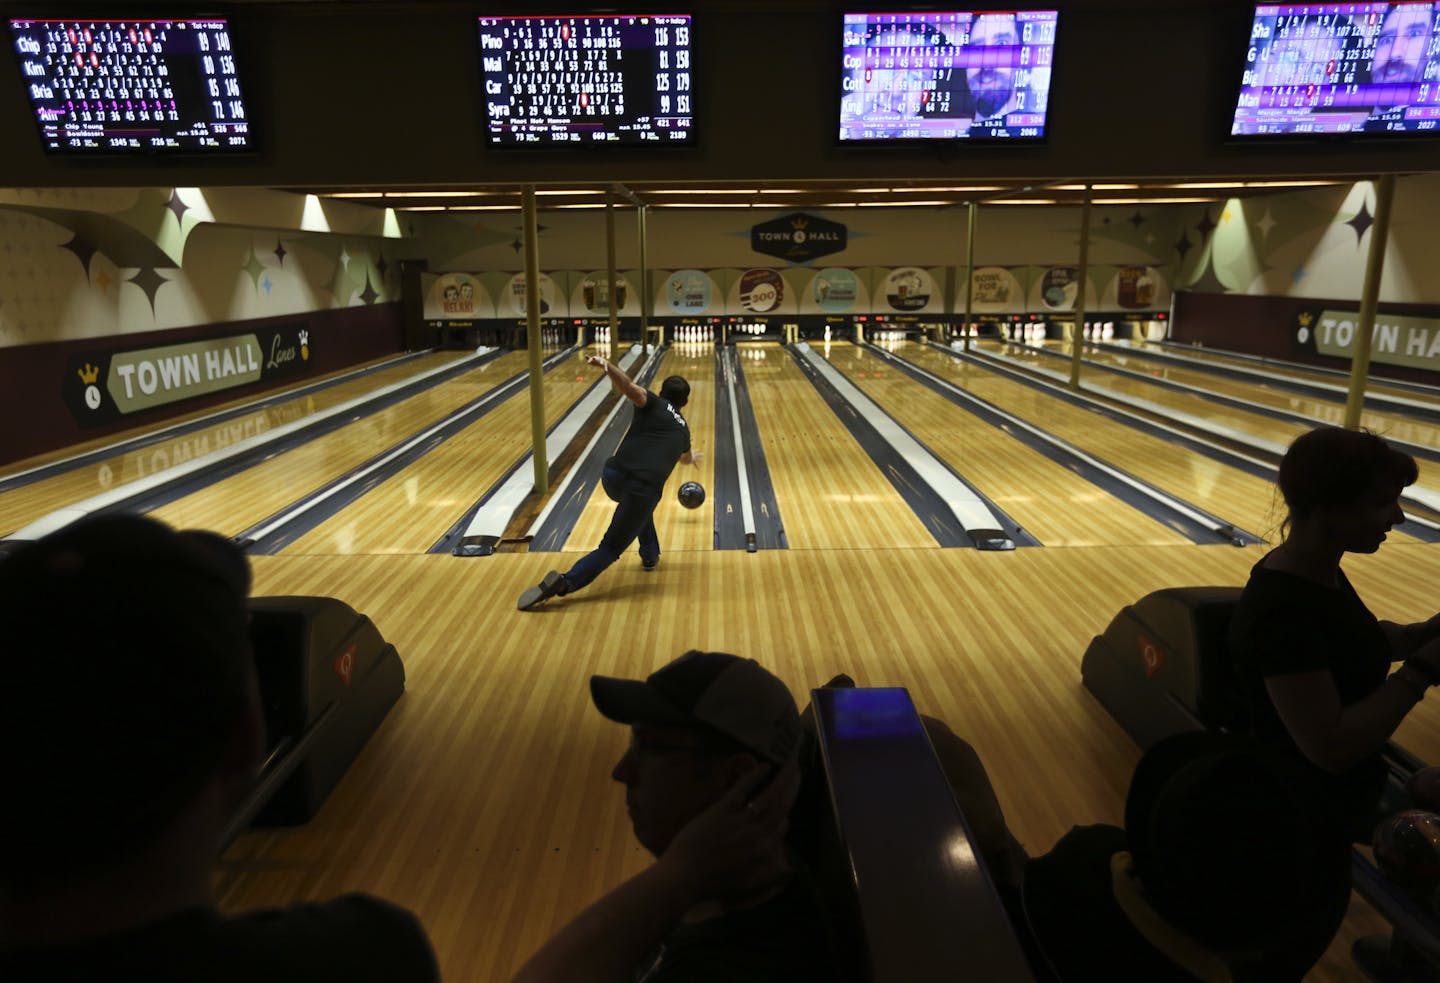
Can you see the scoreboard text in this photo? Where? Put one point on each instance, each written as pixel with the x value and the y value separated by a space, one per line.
pixel 132 86
pixel 584 80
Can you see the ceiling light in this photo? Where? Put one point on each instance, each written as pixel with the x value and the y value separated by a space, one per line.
pixel 1291 184
pixel 899 204
pixel 1156 201
pixel 435 194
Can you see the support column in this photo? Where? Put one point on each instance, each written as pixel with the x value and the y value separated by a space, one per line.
pixel 647 295
pixel 613 277
pixel 969 274
pixel 532 339
pixel 1082 274
pixel 1369 300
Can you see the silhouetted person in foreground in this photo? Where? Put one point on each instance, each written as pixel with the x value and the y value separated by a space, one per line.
pixel 710 775
pixel 130 732
pixel 1224 871
pixel 1313 661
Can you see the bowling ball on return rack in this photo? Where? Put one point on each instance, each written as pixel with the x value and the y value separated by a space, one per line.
pixel 1407 849
pixel 692 494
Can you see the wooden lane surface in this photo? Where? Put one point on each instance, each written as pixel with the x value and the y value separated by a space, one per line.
pixel 679 528
pixel 1057 506
pixel 830 493
pixel 1227 485
pixel 1243 421
pixel 409 512
pixel 26 504
pixel 1234 495
pixel 1374 385
pixel 242 500
pixel 484 801
pixel 1326 411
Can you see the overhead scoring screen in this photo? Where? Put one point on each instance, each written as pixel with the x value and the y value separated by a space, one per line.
pixel 946 75
pixel 1341 68
pixel 593 79
pixel 132 86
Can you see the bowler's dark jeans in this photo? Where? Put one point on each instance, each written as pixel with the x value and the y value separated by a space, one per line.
pixel 635 503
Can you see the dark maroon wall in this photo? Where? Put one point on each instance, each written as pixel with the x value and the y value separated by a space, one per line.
pixel 1270 326
pixel 36 420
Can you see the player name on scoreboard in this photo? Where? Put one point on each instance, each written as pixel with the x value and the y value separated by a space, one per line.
pixel 601 79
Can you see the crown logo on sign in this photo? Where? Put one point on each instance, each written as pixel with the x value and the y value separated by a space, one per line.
pixel 1305 319
pixel 304 337
pixel 89 374
pixel 799 222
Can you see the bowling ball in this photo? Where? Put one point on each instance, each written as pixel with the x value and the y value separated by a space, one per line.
pixel 692 495
pixel 1424 789
pixel 1407 848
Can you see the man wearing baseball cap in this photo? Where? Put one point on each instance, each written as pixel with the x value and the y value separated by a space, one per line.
pixel 710 773
pixel 130 733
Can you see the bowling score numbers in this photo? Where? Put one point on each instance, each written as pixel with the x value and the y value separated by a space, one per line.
pixel 576 81
pixel 133 87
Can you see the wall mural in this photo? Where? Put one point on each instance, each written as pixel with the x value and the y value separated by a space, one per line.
pixel 153 259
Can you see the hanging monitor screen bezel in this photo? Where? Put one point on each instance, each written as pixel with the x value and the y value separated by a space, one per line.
pixel 652 77
pixel 182 97
pixel 928 93
pixel 1310 73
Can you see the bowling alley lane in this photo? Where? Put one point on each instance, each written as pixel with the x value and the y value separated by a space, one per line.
pixel 1242 421
pixel 1052 503
pixel 830 492
pixel 411 510
pixel 30 502
pixel 242 500
pixel 678 528
pixel 1331 410
pixel 1236 496
pixel 1293 371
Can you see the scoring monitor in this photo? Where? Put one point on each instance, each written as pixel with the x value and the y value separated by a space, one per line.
pixel 586 80
pixel 1341 68
pixel 132 86
pixel 945 75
